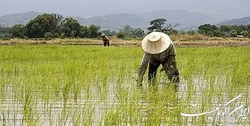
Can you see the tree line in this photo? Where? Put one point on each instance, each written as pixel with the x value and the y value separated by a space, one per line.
pixel 50 26
pixel 225 30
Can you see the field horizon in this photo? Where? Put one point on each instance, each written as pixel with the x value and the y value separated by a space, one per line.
pixel 178 40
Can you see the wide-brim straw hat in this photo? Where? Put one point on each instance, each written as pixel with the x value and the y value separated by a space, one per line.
pixel 155 42
pixel 102 34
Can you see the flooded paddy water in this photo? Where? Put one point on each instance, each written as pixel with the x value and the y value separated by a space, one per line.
pixel 77 85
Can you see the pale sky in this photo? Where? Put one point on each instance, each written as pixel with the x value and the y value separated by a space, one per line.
pixel 90 8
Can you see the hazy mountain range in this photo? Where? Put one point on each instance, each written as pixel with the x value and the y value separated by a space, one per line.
pixel 222 9
pixel 240 21
pixel 19 18
pixel 185 19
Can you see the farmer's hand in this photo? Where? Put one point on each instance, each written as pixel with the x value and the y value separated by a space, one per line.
pixel 139 82
pixel 176 78
pixel 176 72
pixel 162 69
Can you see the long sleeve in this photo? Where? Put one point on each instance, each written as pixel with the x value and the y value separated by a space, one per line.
pixel 143 67
pixel 173 63
pixel 172 55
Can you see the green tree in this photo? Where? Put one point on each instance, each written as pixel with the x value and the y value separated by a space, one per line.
pixel 244 33
pixel 208 29
pixel 3 31
pixel 94 30
pixel 48 35
pixel 217 33
pixel 225 29
pixel 84 33
pixel 157 24
pixel 37 27
pixel 233 33
pixel 128 30
pixel 70 28
pixel 17 31
pixel 161 25
pixel 58 20
pixel 121 35
pixel 138 32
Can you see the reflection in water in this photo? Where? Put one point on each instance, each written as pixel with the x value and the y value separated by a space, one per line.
pixel 124 104
pixel 215 102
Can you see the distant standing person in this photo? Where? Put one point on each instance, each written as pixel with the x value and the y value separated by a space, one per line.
pixel 158 49
pixel 105 39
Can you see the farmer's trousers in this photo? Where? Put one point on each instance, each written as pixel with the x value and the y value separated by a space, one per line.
pixel 172 73
pixel 106 43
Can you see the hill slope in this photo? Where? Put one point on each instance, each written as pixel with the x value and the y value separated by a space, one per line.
pixel 116 21
pixel 19 18
pixel 240 21
pixel 185 19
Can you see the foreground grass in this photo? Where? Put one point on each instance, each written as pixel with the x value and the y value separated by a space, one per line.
pixel 94 85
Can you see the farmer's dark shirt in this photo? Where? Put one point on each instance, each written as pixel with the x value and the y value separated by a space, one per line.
pixel 167 56
pixel 105 38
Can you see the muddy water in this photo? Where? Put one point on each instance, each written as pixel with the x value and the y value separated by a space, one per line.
pixel 222 108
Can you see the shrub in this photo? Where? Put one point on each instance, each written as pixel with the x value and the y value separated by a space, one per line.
pixel 121 35
pixel 48 35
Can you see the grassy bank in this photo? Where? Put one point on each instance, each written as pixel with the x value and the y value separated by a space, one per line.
pixel 179 40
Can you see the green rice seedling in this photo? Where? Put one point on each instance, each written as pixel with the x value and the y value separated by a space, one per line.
pixel 69 85
pixel 3 119
pixel 50 114
pixel 76 118
pixel 111 117
pixel 29 108
pixel 63 117
pixel 129 105
pixel 88 118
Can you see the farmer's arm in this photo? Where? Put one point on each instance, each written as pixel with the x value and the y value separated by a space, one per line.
pixel 172 54
pixel 106 38
pixel 143 68
pixel 172 61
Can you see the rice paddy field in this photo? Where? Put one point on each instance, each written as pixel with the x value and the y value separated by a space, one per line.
pixel 75 85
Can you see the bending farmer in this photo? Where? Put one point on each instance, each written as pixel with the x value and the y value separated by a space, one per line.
pixel 158 49
pixel 105 39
